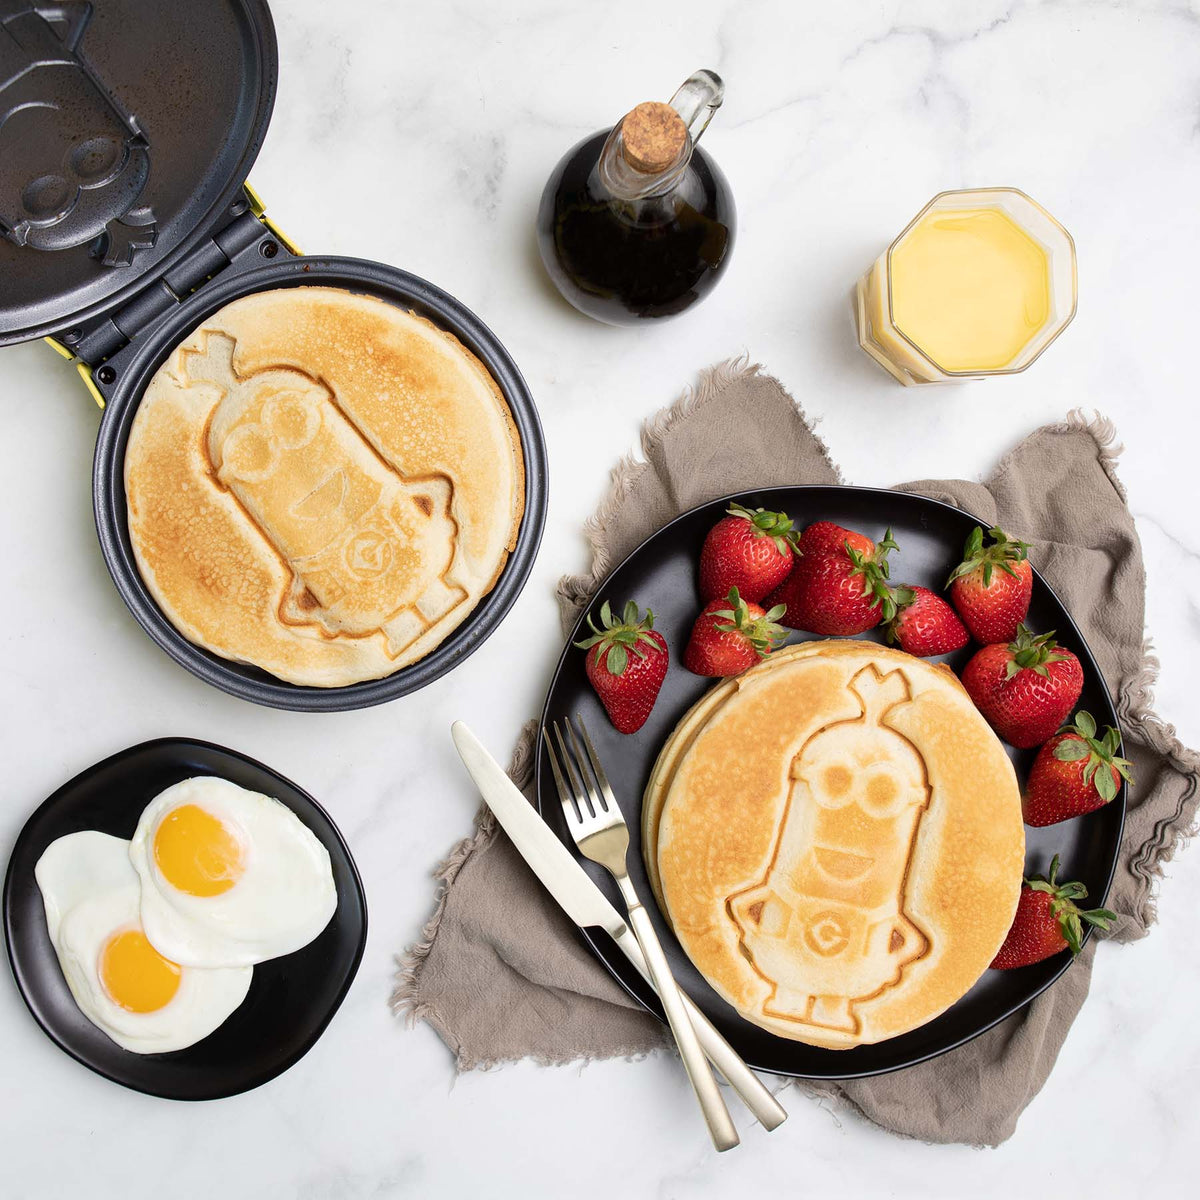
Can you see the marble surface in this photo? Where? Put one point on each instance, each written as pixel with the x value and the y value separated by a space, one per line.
pixel 841 120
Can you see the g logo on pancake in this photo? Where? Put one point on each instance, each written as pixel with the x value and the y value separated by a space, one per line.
pixel 827 934
pixel 369 554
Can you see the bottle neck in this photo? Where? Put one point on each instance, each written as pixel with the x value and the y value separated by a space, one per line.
pixel 649 150
pixel 624 181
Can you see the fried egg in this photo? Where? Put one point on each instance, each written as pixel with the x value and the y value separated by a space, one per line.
pixel 145 1002
pixel 229 877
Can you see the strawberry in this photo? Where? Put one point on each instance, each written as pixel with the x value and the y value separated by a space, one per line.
pixel 1075 772
pixel 1048 921
pixel 626 664
pixel 824 537
pixel 992 585
pixel 1024 689
pixel 924 623
pixel 837 591
pixel 731 635
pixel 751 551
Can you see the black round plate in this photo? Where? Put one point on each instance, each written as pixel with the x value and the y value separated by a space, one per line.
pixel 291 999
pixel 661 575
pixel 136 366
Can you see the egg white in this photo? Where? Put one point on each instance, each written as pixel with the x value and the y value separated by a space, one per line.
pixel 283 899
pixel 90 891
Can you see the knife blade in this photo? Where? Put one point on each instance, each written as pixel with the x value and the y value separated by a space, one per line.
pixel 579 897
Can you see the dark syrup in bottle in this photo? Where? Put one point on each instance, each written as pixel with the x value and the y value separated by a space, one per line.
pixel 636 222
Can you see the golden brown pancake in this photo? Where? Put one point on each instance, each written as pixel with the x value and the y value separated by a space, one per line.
pixel 321 484
pixel 836 838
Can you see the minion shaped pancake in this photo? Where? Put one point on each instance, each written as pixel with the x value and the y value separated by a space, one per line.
pixel 321 484
pixel 836 839
pixel 834 896
pixel 369 552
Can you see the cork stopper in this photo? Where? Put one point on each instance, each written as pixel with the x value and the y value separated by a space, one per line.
pixel 652 134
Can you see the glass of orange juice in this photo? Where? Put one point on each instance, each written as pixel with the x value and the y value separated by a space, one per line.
pixel 979 283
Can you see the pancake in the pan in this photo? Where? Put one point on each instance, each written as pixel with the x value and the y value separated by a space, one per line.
pixel 322 485
pixel 836 839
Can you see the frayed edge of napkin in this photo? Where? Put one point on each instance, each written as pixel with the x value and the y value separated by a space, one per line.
pixel 1135 705
pixel 406 1001
pixel 1173 832
pixel 576 591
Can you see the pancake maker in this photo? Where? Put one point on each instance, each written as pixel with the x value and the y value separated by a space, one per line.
pixel 126 220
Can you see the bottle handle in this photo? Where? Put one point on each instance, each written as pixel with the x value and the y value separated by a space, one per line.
pixel 697 98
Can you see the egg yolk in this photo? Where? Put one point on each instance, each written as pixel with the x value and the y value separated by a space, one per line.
pixel 196 852
pixel 135 975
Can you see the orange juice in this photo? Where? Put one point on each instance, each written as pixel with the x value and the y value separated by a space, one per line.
pixel 978 284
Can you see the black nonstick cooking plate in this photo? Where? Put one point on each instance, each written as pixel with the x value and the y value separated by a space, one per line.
pixel 661 575
pixel 126 136
pixel 133 368
pixel 291 999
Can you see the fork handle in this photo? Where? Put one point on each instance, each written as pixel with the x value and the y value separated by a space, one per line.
pixel 754 1093
pixel 720 1124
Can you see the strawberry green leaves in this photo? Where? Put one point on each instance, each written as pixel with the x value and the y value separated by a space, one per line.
pixel 1069 916
pixel 630 633
pixel 1002 552
pixel 1032 653
pixel 761 632
pixel 1084 745
pixel 775 525
pixel 874 570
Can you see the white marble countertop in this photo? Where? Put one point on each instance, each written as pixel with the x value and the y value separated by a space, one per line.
pixel 841 121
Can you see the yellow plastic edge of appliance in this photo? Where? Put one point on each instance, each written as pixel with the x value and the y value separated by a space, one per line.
pixel 85 372
pixel 259 209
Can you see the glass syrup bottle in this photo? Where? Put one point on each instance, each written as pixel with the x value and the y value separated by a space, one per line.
pixel 637 222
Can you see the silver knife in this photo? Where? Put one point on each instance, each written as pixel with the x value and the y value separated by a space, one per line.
pixel 586 905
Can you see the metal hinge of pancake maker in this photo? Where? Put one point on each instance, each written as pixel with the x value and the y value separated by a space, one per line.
pixel 243 241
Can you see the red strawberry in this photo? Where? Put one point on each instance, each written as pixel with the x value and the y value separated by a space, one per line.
pixel 824 537
pixel 731 635
pixel 626 664
pixel 1075 772
pixel 924 623
pixel 1048 921
pixel 1025 689
pixel 751 551
pixel 992 585
pixel 839 591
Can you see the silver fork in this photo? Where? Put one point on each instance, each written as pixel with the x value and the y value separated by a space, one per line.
pixel 595 821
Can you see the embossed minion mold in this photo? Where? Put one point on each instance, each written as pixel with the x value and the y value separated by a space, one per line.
pixel 80 160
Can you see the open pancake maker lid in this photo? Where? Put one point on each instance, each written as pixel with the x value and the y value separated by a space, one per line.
pixel 127 128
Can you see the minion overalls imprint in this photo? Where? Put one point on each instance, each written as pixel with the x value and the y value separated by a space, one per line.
pixel 370 552
pixel 825 903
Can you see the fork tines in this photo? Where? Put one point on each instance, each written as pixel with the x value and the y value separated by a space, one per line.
pixel 581 799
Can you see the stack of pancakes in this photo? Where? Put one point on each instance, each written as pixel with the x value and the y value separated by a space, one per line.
pixel 322 485
pixel 836 839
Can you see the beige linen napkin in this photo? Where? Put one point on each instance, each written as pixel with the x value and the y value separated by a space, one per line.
pixel 500 973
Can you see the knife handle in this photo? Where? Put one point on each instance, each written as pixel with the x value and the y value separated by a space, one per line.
pixel 712 1104
pixel 754 1093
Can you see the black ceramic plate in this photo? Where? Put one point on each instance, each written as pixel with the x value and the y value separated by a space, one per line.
pixel 291 999
pixel 661 575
